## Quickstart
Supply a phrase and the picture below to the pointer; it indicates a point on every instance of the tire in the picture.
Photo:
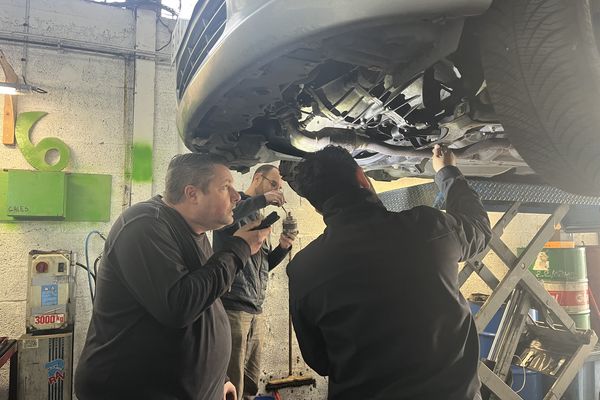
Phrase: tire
(542, 69)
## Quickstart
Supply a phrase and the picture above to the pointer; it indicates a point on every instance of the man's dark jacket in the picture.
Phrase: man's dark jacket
(249, 287)
(375, 300)
(158, 329)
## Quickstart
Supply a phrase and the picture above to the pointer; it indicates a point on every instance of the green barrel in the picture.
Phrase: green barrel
(563, 273)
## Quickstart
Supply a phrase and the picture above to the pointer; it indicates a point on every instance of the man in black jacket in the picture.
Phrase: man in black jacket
(244, 301)
(374, 299)
(158, 329)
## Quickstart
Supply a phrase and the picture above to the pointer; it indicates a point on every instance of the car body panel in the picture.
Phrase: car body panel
(241, 53)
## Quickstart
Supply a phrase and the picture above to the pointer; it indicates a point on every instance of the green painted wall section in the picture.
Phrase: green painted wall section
(141, 162)
(4, 197)
(36, 194)
(36, 154)
(84, 197)
(88, 197)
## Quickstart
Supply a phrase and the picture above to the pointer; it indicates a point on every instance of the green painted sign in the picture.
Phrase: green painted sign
(36, 194)
(36, 154)
(88, 196)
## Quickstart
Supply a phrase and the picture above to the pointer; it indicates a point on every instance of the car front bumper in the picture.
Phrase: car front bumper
(258, 32)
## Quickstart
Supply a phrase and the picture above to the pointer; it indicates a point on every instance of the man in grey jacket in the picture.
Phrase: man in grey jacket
(243, 302)
(158, 329)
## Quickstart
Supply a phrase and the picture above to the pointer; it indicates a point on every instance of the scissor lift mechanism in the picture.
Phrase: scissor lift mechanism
(553, 345)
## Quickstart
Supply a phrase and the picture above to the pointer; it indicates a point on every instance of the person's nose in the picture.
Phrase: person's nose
(235, 196)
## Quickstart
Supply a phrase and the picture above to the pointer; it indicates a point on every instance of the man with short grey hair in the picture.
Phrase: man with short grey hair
(158, 328)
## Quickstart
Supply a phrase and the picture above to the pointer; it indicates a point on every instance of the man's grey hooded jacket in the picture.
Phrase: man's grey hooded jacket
(250, 284)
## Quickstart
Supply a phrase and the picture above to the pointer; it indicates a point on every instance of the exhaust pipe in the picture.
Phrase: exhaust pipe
(484, 150)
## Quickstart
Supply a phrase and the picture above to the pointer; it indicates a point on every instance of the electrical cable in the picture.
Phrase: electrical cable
(166, 44)
(134, 5)
(170, 10)
(168, 29)
(87, 261)
(33, 88)
(84, 267)
(524, 375)
(96, 264)
(159, 18)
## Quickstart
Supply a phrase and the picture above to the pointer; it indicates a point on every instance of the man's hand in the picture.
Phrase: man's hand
(229, 392)
(275, 198)
(442, 157)
(287, 239)
(254, 239)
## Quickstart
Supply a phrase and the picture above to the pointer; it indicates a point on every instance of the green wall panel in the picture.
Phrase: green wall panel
(4, 197)
(36, 194)
(88, 197)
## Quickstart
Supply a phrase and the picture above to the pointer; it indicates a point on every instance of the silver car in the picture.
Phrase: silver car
(511, 85)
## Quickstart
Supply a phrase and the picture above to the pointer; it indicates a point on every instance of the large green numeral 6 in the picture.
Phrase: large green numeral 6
(36, 154)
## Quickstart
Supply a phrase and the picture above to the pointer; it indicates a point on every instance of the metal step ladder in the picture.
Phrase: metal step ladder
(553, 345)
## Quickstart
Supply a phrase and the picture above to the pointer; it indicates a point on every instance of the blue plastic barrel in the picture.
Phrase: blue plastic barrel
(486, 338)
(534, 384)
(533, 389)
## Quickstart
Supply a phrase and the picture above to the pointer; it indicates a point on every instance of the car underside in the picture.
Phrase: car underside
(386, 87)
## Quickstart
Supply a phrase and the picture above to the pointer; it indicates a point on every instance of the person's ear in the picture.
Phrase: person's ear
(191, 192)
(363, 180)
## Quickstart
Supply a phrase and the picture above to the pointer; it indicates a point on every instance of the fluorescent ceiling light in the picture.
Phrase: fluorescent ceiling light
(19, 88)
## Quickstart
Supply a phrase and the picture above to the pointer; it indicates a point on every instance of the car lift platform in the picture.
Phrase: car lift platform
(553, 345)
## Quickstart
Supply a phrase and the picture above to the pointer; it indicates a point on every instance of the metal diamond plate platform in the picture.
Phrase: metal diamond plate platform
(490, 192)
(406, 198)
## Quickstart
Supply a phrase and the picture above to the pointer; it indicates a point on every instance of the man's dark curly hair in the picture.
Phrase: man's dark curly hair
(325, 173)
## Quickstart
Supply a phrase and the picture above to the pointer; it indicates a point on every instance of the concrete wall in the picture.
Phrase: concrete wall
(90, 107)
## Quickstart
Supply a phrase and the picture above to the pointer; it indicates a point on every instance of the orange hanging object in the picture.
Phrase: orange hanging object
(8, 122)
(10, 103)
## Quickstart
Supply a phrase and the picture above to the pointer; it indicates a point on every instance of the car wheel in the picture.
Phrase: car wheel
(542, 68)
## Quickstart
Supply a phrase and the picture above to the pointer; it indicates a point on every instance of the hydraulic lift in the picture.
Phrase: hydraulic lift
(552, 345)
